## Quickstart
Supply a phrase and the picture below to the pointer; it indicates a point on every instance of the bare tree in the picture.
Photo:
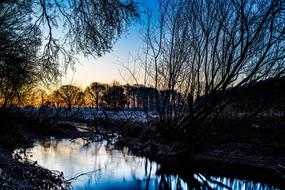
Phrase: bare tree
(236, 43)
(18, 61)
(69, 96)
(94, 93)
(165, 60)
(114, 97)
(204, 48)
(65, 28)
(39, 39)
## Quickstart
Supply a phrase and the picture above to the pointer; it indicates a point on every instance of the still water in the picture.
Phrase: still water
(98, 165)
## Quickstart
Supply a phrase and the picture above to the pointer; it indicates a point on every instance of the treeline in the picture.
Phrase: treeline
(113, 96)
(267, 95)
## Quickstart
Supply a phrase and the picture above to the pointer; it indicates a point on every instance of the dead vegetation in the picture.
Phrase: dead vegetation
(27, 175)
(18, 130)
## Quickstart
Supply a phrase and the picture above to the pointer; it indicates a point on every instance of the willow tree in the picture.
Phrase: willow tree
(205, 47)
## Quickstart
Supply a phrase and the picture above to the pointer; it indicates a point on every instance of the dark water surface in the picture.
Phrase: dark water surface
(98, 165)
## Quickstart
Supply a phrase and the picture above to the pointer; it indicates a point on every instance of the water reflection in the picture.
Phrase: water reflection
(98, 165)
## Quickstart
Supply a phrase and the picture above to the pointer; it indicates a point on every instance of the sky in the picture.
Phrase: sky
(105, 69)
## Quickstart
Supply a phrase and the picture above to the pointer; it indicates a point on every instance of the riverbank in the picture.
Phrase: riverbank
(15, 174)
(19, 130)
(248, 151)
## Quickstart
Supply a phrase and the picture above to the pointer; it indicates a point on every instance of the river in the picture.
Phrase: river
(99, 165)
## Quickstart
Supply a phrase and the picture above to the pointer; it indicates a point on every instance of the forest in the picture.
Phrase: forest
(201, 106)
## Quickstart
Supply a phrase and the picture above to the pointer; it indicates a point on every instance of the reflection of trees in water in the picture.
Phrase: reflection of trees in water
(154, 179)
(49, 144)
(203, 181)
(170, 182)
(147, 174)
(104, 165)
(199, 181)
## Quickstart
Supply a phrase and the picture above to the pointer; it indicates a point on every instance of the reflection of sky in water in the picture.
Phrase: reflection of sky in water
(106, 168)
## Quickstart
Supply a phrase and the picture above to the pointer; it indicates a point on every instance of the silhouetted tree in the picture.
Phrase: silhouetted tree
(34, 48)
(114, 97)
(71, 26)
(18, 61)
(94, 93)
(140, 96)
(205, 47)
(69, 96)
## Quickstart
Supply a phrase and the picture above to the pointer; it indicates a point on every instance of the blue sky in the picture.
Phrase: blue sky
(105, 69)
